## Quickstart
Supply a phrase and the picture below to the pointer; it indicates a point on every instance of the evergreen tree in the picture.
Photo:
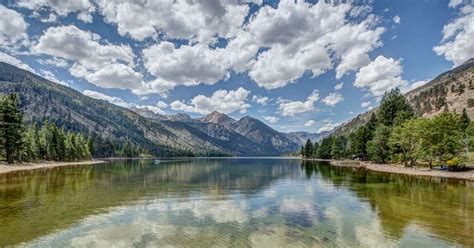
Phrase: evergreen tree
(324, 150)
(315, 150)
(11, 127)
(338, 148)
(465, 119)
(392, 103)
(308, 149)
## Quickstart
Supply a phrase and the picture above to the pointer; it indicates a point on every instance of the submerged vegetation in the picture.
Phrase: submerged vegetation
(396, 134)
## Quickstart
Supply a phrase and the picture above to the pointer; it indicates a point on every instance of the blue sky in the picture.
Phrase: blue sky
(295, 65)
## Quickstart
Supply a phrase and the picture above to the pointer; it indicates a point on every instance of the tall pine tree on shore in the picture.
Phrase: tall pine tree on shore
(11, 127)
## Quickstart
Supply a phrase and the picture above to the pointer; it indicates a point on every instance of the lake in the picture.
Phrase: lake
(257, 202)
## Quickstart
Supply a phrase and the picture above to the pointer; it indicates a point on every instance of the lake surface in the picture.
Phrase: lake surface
(232, 203)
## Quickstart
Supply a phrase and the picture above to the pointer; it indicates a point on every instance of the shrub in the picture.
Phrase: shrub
(456, 163)
(470, 102)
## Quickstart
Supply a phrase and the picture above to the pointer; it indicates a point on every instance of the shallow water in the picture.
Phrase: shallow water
(232, 203)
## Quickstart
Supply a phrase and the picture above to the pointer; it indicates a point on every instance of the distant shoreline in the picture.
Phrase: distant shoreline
(6, 168)
(396, 169)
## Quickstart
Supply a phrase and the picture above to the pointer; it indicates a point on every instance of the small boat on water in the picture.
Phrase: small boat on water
(157, 161)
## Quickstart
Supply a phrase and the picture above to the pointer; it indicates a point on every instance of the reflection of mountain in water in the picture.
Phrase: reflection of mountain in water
(442, 206)
(36, 203)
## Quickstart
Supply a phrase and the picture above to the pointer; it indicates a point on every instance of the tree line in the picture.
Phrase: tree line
(396, 134)
(47, 141)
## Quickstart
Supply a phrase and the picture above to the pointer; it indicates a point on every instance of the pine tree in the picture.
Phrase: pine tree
(11, 127)
(465, 119)
(315, 150)
(392, 103)
(308, 149)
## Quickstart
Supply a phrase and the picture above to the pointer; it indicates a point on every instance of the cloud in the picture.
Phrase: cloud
(414, 85)
(221, 100)
(105, 65)
(338, 86)
(112, 99)
(12, 27)
(380, 75)
(262, 100)
(289, 108)
(51, 77)
(187, 65)
(271, 119)
(328, 126)
(310, 123)
(110, 76)
(332, 99)
(457, 44)
(301, 36)
(157, 109)
(83, 47)
(396, 19)
(366, 105)
(14, 61)
(194, 20)
(84, 8)
(454, 3)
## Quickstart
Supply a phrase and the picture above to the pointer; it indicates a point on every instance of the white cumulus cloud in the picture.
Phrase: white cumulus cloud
(338, 86)
(262, 100)
(333, 99)
(396, 19)
(84, 8)
(12, 27)
(6, 58)
(112, 99)
(271, 119)
(291, 108)
(380, 75)
(457, 44)
(221, 100)
(195, 20)
(310, 123)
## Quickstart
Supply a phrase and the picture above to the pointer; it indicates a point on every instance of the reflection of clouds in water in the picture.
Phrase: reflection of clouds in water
(148, 221)
(275, 236)
(291, 205)
(220, 211)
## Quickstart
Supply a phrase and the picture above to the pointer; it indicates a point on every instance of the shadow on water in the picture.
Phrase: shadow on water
(443, 206)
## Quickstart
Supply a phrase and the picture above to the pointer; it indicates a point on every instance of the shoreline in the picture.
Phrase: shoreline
(396, 169)
(5, 168)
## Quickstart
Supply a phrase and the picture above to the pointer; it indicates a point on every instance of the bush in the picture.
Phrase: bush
(470, 102)
(456, 163)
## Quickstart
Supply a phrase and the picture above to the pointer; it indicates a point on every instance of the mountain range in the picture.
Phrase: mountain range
(215, 134)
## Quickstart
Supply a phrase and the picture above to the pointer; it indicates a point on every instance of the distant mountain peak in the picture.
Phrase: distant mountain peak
(218, 118)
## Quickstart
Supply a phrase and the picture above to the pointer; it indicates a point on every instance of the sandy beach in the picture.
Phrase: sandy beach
(399, 169)
(6, 168)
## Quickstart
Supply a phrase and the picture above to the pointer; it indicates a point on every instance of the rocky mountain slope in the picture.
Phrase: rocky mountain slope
(177, 135)
(245, 134)
(453, 90)
(301, 137)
